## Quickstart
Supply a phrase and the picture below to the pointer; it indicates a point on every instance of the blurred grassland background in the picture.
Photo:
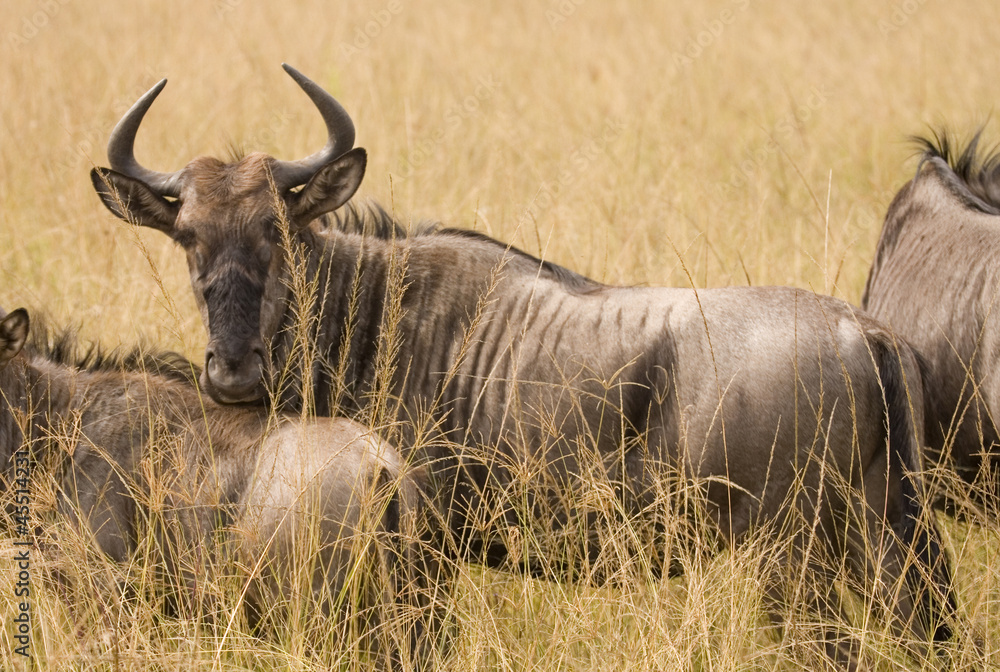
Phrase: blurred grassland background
(651, 143)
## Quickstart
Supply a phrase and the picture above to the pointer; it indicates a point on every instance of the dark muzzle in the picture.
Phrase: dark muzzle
(231, 379)
(235, 359)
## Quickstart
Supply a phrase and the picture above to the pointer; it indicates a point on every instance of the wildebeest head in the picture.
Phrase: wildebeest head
(13, 334)
(226, 217)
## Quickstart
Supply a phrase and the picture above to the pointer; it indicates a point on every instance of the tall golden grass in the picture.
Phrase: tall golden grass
(748, 141)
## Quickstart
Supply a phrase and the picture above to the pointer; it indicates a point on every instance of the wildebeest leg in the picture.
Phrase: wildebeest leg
(908, 582)
(894, 554)
(806, 583)
(419, 575)
(893, 546)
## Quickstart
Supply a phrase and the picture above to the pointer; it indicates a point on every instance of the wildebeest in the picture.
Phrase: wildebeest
(521, 384)
(934, 279)
(301, 504)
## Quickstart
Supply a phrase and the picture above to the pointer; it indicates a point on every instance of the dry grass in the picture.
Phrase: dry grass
(754, 141)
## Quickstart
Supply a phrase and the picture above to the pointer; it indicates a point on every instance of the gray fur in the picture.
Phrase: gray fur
(756, 394)
(935, 281)
(236, 484)
(518, 382)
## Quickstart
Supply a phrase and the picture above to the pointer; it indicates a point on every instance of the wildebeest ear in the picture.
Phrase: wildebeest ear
(13, 334)
(134, 200)
(331, 187)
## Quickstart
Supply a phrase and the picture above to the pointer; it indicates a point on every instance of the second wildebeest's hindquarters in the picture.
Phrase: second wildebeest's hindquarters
(363, 513)
(936, 281)
(541, 401)
(305, 516)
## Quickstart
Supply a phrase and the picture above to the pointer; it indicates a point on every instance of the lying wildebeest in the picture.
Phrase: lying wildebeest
(517, 380)
(933, 279)
(304, 504)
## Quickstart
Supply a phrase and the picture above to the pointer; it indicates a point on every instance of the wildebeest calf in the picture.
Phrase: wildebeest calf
(302, 504)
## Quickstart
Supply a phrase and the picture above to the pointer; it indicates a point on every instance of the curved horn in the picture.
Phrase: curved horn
(120, 147)
(339, 127)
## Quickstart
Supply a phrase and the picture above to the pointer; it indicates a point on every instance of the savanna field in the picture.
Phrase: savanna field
(717, 143)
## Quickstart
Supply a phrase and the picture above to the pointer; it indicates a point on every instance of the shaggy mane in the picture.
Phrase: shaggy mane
(63, 346)
(974, 178)
(564, 275)
(371, 219)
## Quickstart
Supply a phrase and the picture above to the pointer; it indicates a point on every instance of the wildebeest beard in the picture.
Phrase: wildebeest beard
(234, 358)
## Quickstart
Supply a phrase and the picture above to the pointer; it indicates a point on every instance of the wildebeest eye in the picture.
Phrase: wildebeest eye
(184, 238)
